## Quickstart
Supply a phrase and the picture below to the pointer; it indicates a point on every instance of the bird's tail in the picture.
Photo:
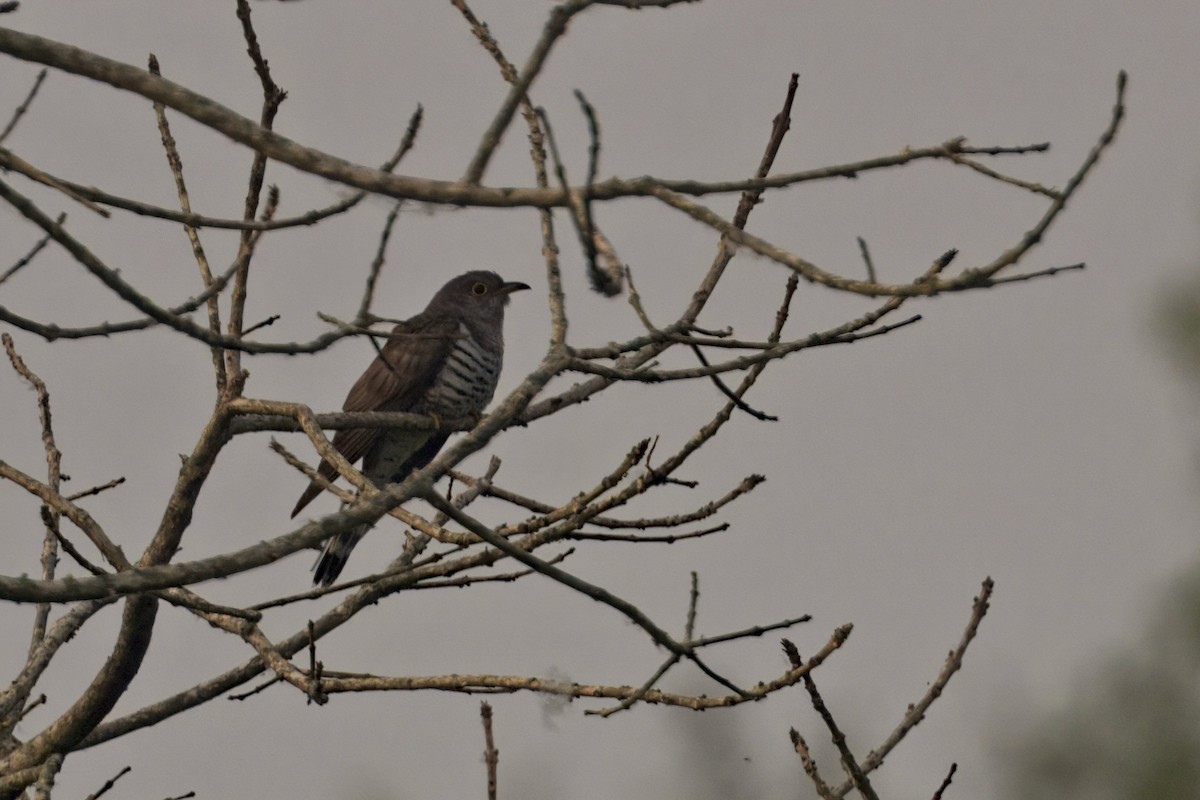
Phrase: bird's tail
(336, 553)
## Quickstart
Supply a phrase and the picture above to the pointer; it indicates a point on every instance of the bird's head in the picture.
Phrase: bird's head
(480, 293)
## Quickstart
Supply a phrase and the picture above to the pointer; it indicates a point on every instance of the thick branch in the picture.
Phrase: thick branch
(28, 47)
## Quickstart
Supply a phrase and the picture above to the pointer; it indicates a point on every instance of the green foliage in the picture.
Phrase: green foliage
(1132, 730)
(1178, 324)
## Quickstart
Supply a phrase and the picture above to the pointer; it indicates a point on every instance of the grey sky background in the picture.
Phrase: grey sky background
(1033, 433)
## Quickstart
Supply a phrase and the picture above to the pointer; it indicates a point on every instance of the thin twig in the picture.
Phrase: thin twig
(158, 315)
(308, 218)
(33, 251)
(273, 97)
(946, 781)
(705, 511)
(206, 277)
(725, 390)
(607, 280)
(20, 110)
(916, 712)
(652, 681)
(1036, 188)
(364, 308)
(54, 477)
(491, 756)
(10, 160)
(72, 551)
(810, 766)
(37, 701)
(583, 587)
(265, 323)
(115, 482)
(866, 257)
(274, 679)
(496, 684)
(857, 775)
(110, 783)
(689, 628)
(637, 538)
(1041, 273)
(555, 27)
(505, 577)
(315, 669)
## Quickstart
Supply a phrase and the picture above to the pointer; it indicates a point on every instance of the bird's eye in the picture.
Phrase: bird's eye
(479, 288)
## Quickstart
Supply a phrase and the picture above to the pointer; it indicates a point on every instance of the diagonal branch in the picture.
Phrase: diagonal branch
(597, 593)
(916, 712)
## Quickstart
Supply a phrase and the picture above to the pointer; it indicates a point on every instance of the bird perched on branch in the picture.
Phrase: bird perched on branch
(444, 362)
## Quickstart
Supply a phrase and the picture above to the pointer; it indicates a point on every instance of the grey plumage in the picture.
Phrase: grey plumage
(445, 362)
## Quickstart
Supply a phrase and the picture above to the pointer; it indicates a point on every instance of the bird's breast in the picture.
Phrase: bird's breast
(467, 380)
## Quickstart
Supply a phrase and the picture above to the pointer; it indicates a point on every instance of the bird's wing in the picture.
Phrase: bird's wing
(397, 378)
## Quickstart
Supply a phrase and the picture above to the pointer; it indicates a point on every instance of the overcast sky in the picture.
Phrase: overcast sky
(1034, 433)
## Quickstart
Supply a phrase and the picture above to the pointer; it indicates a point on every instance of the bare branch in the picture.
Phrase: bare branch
(127, 292)
(20, 110)
(207, 112)
(555, 27)
(810, 766)
(308, 218)
(506, 684)
(866, 256)
(946, 782)
(364, 308)
(916, 712)
(46, 775)
(491, 756)
(273, 97)
(115, 482)
(431, 555)
(24, 260)
(206, 277)
(10, 160)
(857, 775)
(110, 783)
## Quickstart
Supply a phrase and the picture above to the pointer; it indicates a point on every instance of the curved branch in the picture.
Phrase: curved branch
(209, 113)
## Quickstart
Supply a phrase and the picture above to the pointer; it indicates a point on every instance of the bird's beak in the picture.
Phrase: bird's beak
(513, 286)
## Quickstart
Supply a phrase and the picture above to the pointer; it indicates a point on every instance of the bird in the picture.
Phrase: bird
(444, 362)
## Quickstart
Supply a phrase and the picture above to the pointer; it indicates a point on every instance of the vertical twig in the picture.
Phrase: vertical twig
(364, 308)
(810, 766)
(491, 756)
(689, 628)
(596, 247)
(849, 763)
(273, 96)
(866, 257)
(537, 153)
(315, 669)
(554, 28)
(46, 776)
(50, 515)
(946, 781)
(185, 205)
